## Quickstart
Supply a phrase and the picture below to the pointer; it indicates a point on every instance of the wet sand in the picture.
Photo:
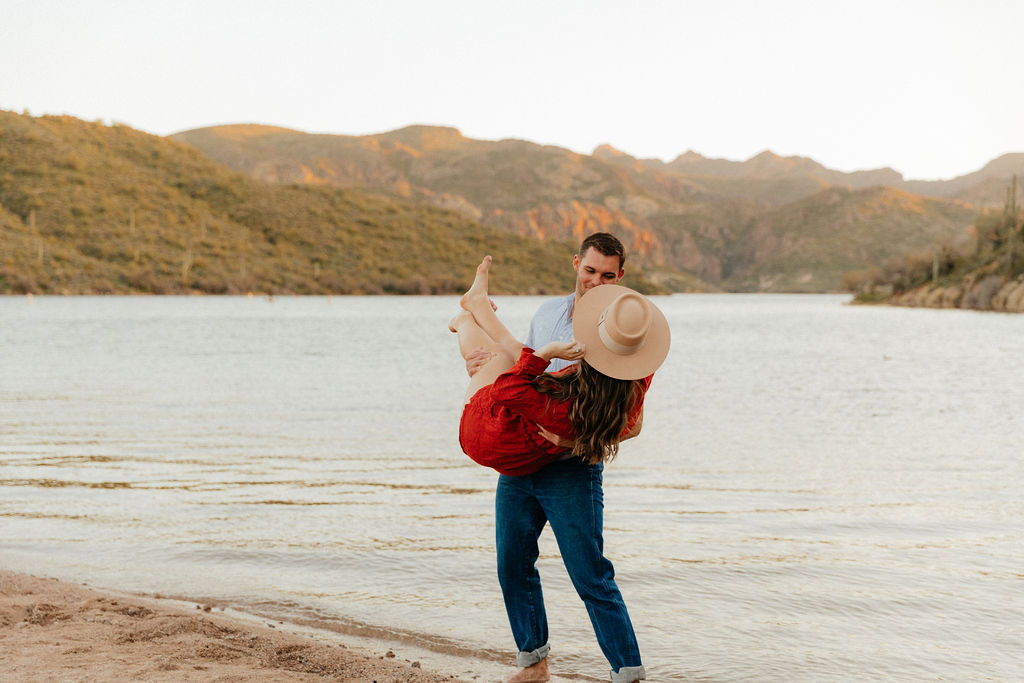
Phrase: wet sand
(54, 630)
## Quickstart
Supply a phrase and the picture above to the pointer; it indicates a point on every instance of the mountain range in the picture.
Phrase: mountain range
(87, 208)
(770, 223)
(91, 208)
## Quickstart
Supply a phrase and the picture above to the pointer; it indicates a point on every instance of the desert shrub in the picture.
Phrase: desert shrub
(211, 284)
(146, 280)
(18, 283)
(864, 281)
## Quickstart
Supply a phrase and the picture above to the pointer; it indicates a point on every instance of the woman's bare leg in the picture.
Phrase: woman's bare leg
(471, 338)
(477, 302)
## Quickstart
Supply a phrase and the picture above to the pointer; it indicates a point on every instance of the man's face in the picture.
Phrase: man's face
(595, 269)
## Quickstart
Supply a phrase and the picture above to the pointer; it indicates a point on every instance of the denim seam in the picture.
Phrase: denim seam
(525, 570)
(534, 626)
(593, 535)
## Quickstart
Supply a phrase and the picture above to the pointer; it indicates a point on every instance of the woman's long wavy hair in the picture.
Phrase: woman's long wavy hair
(600, 408)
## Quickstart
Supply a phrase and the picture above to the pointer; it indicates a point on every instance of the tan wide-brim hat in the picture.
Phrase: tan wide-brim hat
(625, 334)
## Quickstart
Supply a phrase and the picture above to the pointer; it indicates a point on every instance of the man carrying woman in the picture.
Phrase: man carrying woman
(522, 416)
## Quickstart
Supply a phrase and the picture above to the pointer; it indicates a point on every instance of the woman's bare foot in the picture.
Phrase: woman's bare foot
(477, 294)
(532, 674)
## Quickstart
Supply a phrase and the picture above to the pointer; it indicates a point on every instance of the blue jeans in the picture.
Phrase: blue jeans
(568, 495)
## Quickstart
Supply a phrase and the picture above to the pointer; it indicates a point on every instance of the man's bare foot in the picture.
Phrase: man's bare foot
(477, 293)
(532, 674)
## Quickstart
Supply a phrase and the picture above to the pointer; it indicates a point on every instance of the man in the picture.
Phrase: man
(567, 495)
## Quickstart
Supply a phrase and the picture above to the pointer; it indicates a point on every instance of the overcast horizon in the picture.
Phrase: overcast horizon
(925, 88)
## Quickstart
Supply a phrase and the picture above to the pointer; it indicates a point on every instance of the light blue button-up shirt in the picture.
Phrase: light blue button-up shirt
(552, 322)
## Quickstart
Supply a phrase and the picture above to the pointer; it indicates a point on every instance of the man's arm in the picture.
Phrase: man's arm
(637, 426)
(568, 443)
(559, 441)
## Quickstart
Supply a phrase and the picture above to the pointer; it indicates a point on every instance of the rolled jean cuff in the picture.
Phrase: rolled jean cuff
(525, 659)
(628, 674)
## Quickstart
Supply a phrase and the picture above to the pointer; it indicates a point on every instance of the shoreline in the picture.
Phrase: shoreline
(56, 629)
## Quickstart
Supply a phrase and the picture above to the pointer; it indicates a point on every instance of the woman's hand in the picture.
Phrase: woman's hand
(571, 350)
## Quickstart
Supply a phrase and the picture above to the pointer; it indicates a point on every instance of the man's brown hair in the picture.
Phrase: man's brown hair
(606, 243)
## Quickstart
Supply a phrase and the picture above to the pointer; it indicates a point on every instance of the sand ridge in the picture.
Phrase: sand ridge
(53, 630)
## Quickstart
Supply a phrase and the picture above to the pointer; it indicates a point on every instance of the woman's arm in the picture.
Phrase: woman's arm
(570, 350)
(514, 389)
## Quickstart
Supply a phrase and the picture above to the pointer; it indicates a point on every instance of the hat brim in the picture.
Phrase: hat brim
(644, 362)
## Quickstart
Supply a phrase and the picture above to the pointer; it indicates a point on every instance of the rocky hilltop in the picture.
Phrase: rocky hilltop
(770, 223)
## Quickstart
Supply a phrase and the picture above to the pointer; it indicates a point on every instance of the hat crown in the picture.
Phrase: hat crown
(625, 334)
(624, 323)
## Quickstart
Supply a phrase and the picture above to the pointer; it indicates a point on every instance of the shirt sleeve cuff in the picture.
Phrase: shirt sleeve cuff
(529, 362)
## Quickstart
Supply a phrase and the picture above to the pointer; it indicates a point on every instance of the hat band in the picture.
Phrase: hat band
(612, 345)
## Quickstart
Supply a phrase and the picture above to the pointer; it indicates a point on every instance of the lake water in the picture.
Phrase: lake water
(821, 492)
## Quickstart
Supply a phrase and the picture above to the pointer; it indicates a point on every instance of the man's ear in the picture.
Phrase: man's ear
(576, 262)
(622, 272)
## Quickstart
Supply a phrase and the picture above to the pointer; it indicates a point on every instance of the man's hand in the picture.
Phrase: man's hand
(567, 444)
(476, 359)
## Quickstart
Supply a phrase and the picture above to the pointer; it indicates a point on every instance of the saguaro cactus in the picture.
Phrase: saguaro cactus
(132, 236)
(1013, 196)
(1013, 228)
(36, 240)
(186, 265)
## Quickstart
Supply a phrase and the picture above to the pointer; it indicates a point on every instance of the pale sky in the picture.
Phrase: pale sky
(930, 88)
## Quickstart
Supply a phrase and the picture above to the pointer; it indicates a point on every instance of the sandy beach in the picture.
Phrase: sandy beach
(53, 630)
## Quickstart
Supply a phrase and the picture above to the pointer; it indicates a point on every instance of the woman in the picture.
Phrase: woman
(620, 339)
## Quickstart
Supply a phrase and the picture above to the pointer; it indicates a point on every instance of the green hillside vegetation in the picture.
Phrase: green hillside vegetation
(981, 268)
(866, 226)
(89, 208)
